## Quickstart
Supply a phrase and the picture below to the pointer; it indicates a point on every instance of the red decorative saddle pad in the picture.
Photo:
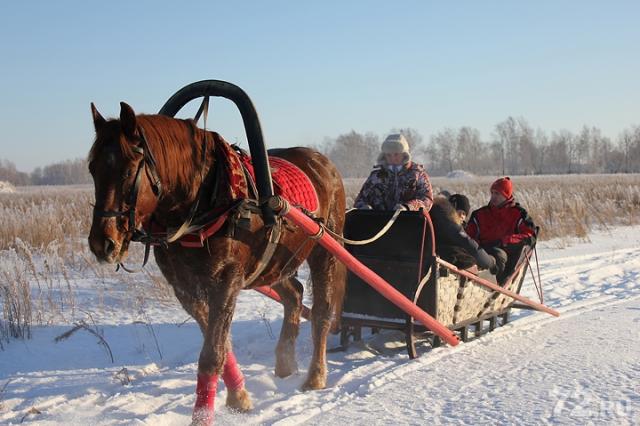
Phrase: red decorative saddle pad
(290, 183)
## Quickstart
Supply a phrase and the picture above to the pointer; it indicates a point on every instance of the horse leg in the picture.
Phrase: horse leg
(290, 292)
(237, 396)
(327, 276)
(222, 299)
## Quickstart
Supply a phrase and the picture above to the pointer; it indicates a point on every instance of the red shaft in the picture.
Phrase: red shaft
(271, 293)
(370, 277)
(537, 306)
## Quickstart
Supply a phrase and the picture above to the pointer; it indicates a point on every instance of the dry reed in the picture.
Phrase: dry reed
(43, 246)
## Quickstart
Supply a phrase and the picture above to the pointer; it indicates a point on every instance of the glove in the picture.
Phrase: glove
(400, 207)
(498, 268)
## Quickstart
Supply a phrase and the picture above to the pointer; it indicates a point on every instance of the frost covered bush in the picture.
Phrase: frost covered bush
(6, 187)
(15, 298)
(40, 216)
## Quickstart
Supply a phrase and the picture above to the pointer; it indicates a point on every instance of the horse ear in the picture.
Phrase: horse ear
(127, 119)
(98, 120)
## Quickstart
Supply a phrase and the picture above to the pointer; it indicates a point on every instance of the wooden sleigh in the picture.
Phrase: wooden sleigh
(405, 257)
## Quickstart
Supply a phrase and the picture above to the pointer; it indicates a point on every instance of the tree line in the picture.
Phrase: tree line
(514, 148)
(61, 173)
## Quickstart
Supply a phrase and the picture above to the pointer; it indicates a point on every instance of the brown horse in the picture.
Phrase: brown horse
(155, 168)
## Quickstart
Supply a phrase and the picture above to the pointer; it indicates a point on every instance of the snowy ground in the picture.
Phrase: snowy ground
(581, 368)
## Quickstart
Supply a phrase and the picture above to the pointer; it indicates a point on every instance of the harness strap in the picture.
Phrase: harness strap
(275, 232)
(147, 249)
(152, 170)
(133, 196)
(194, 207)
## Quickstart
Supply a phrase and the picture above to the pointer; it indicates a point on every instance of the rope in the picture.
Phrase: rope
(369, 240)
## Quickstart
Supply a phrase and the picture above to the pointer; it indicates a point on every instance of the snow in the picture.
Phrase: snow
(580, 368)
(6, 187)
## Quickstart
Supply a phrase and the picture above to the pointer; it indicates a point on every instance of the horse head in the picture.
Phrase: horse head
(127, 187)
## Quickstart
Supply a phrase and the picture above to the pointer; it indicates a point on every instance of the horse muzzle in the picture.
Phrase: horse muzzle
(107, 249)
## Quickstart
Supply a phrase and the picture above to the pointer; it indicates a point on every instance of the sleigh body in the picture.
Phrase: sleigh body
(405, 257)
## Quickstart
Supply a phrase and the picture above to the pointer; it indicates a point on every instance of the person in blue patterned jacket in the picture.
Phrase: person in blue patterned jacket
(396, 182)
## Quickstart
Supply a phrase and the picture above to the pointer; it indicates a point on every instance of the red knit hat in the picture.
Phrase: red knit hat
(503, 186)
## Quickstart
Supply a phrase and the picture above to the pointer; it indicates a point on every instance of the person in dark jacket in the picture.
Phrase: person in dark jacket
(396, 182)
(502, 227)
(461, 204)
(452, 242)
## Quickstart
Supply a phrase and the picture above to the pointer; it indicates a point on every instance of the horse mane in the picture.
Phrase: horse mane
(176, 145)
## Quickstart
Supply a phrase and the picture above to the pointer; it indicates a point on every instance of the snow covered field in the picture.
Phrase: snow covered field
(581, 368)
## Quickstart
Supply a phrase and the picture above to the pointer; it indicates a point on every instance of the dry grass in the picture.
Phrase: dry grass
(39, 216)
(563, 206)
(43, 249)
(15, 294)
(43, 246)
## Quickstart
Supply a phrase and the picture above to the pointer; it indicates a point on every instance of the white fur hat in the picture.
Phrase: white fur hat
(395, 143)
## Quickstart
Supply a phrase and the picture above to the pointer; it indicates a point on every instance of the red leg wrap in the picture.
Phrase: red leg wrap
(205, 398)
(232, 376)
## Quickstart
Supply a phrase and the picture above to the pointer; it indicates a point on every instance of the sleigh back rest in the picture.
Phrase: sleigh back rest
(396, 257)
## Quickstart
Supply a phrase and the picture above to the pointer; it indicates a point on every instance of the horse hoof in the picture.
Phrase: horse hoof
(286, 370)
(314, 384)
(202, 417)
(239, 400)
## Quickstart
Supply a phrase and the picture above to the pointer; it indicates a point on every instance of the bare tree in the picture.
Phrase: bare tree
(354, 154)
(9, 173)
(515, 148)
(445, 142)
(541, 143)
(63, 173)
(559, 158)
(468, 149)
(507, 136)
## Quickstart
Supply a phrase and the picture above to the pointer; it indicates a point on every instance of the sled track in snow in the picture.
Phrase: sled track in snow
(366, 379)
(379, 371)
(162, 392)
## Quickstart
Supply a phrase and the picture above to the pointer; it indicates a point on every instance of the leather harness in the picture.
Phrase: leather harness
(194, 231)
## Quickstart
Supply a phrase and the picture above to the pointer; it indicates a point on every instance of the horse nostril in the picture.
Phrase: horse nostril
(109, 246)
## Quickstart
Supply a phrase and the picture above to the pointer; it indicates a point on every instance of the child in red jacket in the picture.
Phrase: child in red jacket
(502, 227)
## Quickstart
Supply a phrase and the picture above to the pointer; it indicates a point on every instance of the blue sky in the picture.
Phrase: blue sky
(316, 69)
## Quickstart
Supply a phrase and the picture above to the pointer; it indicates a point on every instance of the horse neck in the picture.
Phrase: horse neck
(178, 152)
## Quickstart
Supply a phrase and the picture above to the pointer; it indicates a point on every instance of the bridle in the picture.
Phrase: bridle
(147, 164)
